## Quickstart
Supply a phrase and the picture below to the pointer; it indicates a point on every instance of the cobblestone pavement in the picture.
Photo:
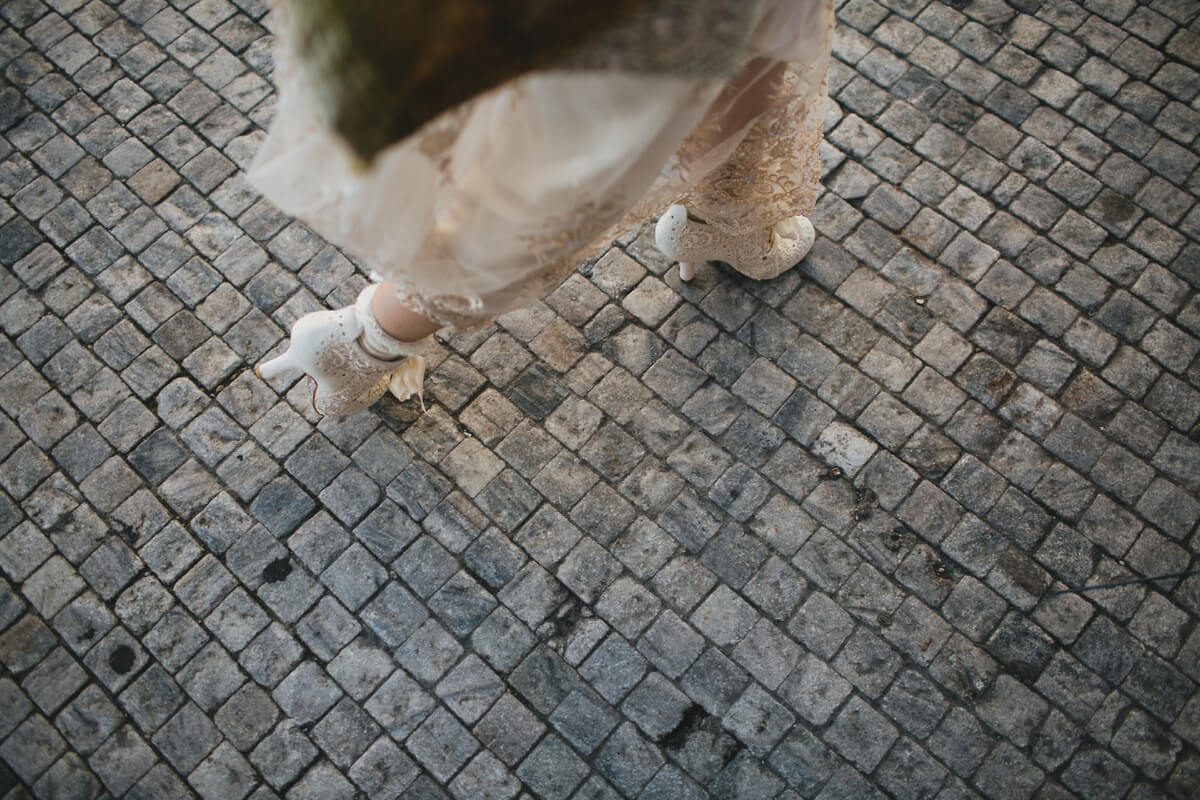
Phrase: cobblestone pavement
(805, 538)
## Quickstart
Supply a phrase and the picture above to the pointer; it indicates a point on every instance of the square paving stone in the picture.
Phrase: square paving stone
(122, 760)
(627, 760)
(88, 720)
(509, 729)
(345, 733)
(152, 698)
(767, 653)
(384, 769)
(306, 693)
(746, 777)
(758, 720)
(804, 761)
(247, 716)
(714, 681)
(502, 640)
(187, 738)
(283, 754)
(613, 668)
(584, 719)
(470, 688)
(552, 769)
(656, 706)
(428, 652)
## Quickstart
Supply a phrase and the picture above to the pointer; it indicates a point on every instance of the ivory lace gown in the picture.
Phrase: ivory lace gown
(493, 202)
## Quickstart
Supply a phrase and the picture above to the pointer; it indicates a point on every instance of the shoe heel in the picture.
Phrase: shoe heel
(668, 233)
(286, 362)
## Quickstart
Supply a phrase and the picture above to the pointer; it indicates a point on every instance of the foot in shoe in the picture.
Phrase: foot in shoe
(761, 255)
(327, 346)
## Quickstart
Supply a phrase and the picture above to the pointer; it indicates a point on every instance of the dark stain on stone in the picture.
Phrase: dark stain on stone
(865, 503)
(941, 570)
(277, 570)
(1000, 383)
(121, 659)
(693, 719)
(558, 629)
(1022, 572)
(956, 112)
(1115, 210)
(894, 539)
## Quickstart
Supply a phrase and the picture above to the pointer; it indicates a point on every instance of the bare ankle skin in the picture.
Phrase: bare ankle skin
(396, 319)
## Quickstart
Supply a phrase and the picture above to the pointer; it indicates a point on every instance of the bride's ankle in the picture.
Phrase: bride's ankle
(395, 318)
(382, 341)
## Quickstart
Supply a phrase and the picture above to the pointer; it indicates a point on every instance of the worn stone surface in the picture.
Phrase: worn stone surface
(817, 537)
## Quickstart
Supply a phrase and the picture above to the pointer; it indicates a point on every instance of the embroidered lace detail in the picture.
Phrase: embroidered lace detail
(774, 174)
(452, 311)
(761, 254)
(361, 379)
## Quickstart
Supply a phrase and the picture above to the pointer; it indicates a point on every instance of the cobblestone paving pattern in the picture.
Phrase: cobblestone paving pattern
(803, 538)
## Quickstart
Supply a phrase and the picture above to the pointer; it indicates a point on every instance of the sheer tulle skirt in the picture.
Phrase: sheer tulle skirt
(493, 203)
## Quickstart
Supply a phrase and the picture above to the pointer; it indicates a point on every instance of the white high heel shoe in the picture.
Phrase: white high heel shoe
(345, 377)
(760, 255)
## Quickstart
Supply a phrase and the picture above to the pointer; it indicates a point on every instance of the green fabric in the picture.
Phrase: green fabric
(382, 69)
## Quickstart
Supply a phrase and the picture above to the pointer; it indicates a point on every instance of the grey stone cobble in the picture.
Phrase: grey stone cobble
(821, 536)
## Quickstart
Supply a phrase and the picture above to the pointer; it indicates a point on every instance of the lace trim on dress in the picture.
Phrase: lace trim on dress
(775, 171)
